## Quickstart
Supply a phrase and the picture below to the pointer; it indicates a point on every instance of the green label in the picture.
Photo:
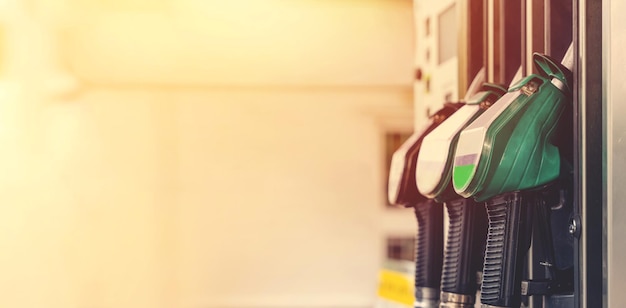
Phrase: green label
(461, 176)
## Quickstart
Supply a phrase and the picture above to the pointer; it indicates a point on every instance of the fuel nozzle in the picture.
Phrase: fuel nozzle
(428, 213)
(436, 156)
(507, 157)
(467, 229)
(509, 147)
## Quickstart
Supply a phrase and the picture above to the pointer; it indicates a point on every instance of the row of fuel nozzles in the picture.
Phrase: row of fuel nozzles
(490, 161)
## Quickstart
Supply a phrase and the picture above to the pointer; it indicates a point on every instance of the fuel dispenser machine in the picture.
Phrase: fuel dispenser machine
(509, 158)
(496, 151)
(428, 210)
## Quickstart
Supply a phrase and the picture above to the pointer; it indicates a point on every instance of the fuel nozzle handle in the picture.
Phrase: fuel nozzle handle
(508, 240)
(428, 253)
(463, 256)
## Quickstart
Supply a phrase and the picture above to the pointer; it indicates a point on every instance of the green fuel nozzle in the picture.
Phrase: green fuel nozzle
(508, 157)
(509, 147)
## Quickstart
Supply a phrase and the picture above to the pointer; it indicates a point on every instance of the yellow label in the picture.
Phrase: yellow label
(396, 287)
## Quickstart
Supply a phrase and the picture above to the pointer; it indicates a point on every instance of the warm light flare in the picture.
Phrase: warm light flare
(196, 153)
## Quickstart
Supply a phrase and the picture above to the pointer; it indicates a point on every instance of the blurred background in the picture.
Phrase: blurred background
(200, 153)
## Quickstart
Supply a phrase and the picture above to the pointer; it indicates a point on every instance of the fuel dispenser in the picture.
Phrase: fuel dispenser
(466, 234)
(508, 157)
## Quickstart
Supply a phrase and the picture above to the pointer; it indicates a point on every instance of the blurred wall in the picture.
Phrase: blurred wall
(239, 42)
(282, 200)
(120, 191)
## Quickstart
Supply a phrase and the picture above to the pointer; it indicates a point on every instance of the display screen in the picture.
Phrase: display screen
(447, 35)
